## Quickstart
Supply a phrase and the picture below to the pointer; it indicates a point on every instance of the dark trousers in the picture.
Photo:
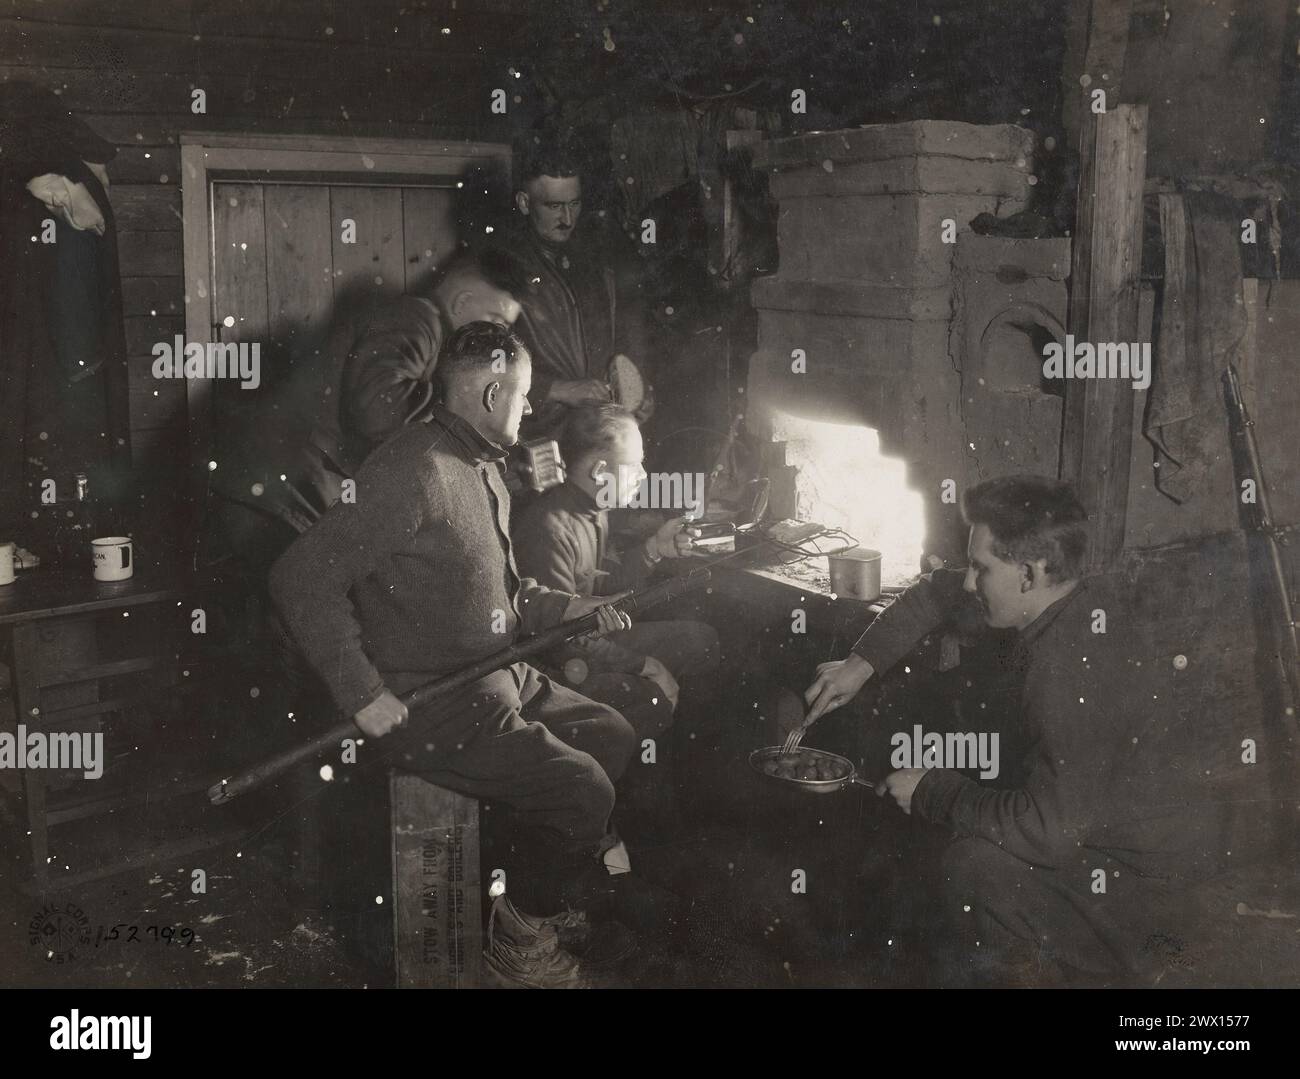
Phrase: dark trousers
(648, 807)
(686, 648)
(550, 755)
(1034, 923)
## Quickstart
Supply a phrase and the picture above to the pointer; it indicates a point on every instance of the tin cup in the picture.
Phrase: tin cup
(112, 558)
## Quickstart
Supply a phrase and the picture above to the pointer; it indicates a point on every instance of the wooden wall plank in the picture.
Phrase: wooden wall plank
(253, 44)
(131, 132)
(164, 295)
(374, 262)
(299, 267)
(146, 207)
(176, 15)
(144, 165)
(393, 23)
(429, 230)
(152, 131)
(324, 24)
(239, 285)
(144, 331)
(149, 254)
(435, 91)
(154, 402)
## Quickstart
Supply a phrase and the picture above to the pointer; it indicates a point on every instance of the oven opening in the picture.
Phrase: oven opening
(834, 474)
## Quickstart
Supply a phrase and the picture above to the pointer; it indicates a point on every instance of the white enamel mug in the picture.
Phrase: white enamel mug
(112, 558)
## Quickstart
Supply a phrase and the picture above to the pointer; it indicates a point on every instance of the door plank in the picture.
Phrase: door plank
(299, 261)
(429, 227)
(374, 262)
(239, 280)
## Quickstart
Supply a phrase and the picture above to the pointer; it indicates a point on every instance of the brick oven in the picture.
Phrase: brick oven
(894, 345)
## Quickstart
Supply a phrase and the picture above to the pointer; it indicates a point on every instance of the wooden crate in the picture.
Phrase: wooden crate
(437, 896)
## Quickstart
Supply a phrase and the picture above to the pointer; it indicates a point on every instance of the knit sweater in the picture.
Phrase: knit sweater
(563, 541)
(1111, 763)
(415, 579)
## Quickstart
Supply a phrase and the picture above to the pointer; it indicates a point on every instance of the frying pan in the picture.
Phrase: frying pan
(761, 757)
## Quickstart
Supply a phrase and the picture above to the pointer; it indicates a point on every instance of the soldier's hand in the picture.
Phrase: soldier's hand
(609, 619)
(381, 716)
(836, 684)
(901, 785)
(671, 540)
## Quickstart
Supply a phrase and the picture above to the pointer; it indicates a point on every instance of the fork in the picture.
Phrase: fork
(793, 739)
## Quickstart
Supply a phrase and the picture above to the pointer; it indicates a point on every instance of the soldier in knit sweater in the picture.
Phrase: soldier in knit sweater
(416, 579)
(285, 457)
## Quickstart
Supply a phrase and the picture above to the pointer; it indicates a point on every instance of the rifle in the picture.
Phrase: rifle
(229, 789)
(1243, 427)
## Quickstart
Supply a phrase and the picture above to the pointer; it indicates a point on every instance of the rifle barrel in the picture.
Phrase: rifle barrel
(229, 789)
(1244, 427)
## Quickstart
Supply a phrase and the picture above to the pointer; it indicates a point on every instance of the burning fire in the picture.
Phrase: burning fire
(843, 481)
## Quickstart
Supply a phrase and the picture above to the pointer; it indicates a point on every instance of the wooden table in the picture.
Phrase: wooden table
(73, 612)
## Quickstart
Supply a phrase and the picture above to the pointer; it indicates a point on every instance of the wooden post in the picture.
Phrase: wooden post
(1104, 289)
(1096, 52)
(437, 899)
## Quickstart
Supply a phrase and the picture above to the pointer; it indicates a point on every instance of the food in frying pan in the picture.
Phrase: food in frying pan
(805, 766)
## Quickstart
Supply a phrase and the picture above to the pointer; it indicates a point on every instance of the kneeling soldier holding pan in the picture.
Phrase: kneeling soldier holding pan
(1085, 860)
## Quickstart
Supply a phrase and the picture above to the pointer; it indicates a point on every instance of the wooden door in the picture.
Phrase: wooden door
(285, 256)
(284, 253)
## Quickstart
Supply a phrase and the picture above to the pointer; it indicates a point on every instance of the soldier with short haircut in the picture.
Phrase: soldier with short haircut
(417, 579)
(1109, 784)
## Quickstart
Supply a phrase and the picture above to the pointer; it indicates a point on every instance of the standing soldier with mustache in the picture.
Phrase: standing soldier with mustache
(580, 310)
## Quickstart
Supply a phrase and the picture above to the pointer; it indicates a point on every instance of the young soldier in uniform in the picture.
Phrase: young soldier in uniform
(1110, 786)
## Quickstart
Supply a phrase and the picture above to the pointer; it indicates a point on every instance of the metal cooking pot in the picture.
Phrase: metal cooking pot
(855, 573)
(850, 775)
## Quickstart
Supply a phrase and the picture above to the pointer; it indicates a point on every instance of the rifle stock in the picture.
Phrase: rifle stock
(229, 789)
